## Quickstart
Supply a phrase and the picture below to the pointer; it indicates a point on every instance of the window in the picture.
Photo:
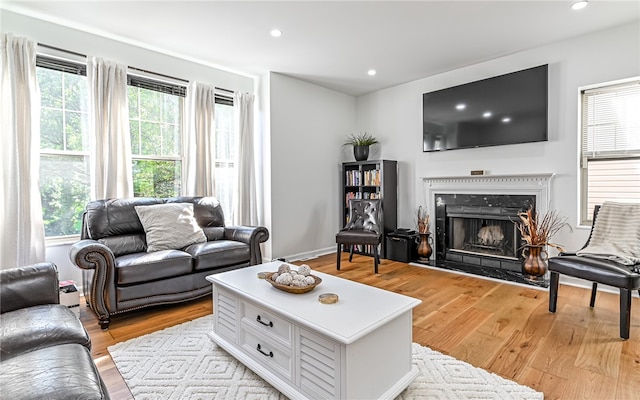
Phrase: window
(155, 120)
(610, 137)
(155, 123)
(64, 147)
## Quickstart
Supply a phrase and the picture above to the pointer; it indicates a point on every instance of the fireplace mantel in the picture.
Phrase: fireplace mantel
(537, 179)
(462, 207)
(528, 184)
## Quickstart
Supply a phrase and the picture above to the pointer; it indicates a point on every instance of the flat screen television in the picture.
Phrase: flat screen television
(506, 109)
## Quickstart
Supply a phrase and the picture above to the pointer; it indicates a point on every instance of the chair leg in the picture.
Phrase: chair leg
(376, 260)
(625, 313)
(351, 252)
(594, 290)
(338, 260)
(553, 291)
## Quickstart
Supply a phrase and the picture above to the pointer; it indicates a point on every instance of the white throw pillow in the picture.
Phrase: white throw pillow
(170, 226)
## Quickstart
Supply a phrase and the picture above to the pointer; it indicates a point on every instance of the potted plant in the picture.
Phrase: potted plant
(360, 142)
(536, 231)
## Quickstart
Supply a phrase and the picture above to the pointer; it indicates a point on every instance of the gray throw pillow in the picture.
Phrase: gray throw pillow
(170, 226)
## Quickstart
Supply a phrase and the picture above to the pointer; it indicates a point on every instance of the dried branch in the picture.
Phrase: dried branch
(538, 230)
(423, 220)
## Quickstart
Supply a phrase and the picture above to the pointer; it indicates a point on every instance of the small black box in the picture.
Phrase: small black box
(402, 246)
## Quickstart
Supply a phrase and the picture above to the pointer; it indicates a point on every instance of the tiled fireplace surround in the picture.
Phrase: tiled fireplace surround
(472, 219)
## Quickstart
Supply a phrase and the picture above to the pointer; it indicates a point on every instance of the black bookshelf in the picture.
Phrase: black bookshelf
(372, 179)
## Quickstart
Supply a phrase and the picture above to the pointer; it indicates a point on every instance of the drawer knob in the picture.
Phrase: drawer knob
(270, 324)
(270, 354)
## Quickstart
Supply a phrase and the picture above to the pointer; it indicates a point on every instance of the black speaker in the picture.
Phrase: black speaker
(402, 245)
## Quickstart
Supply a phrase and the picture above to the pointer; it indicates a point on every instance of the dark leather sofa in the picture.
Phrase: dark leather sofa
(44, 349)
(120, 275)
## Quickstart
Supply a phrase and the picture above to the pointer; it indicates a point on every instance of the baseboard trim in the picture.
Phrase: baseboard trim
(307, 255)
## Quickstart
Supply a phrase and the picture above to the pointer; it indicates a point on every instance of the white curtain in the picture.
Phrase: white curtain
(199, 150)
(22, 230)
(111, 170)
(246, 199)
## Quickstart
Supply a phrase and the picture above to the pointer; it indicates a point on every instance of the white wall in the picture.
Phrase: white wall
(308, 124)
(395, 116)
(138, 57)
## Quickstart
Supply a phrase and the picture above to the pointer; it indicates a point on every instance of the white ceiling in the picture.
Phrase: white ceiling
(334, 44)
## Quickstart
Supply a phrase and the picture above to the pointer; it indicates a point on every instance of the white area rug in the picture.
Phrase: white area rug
(181, 362)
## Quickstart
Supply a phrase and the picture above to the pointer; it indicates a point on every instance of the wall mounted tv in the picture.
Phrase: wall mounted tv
(506, 109)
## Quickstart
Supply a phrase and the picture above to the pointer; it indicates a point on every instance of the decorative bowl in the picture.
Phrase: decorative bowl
(293, 289)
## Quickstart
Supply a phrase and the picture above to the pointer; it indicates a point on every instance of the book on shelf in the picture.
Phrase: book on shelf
(353, 195)
(372, 177)
(349, 196)
(370, 195)
(352, 178)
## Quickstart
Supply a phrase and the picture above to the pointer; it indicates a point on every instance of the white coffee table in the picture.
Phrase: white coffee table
(358, 348)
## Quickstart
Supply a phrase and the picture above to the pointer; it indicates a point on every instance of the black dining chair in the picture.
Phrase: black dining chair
(363, 228)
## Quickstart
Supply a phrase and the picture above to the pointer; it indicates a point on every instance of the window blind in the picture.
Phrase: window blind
(224, 99)
(221, 96)
(65, 61)
(610, 145)
(61, 65)
(155, 85)
(611, 121)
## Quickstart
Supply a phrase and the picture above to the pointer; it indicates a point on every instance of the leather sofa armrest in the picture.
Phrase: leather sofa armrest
(251, 235)
(29, 286)
(92, 255)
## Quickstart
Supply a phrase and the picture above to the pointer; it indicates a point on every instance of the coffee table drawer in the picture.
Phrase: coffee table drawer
(266, 322)
(267, 353)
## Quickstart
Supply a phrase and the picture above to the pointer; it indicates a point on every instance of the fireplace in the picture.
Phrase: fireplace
(474, 222)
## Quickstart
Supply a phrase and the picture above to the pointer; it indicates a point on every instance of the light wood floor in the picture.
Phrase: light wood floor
(506, 329)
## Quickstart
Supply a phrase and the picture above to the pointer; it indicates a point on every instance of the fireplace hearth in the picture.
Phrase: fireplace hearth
(475, 231)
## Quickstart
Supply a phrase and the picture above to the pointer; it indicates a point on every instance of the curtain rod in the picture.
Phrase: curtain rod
(225, 90)
(46, 46)
(157, 74)
(129, 66)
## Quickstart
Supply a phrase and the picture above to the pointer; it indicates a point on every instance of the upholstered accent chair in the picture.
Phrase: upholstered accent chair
(363, 229)
(597, 270)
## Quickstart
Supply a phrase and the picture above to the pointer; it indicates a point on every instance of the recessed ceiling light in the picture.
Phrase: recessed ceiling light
(579, 5)
(276, 32)
(371, 72)
(461, 106)
(506, 120)
(487, 114)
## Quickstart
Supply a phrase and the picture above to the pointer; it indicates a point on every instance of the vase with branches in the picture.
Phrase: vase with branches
(424, 248)
(536, 231)
(423, 220)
